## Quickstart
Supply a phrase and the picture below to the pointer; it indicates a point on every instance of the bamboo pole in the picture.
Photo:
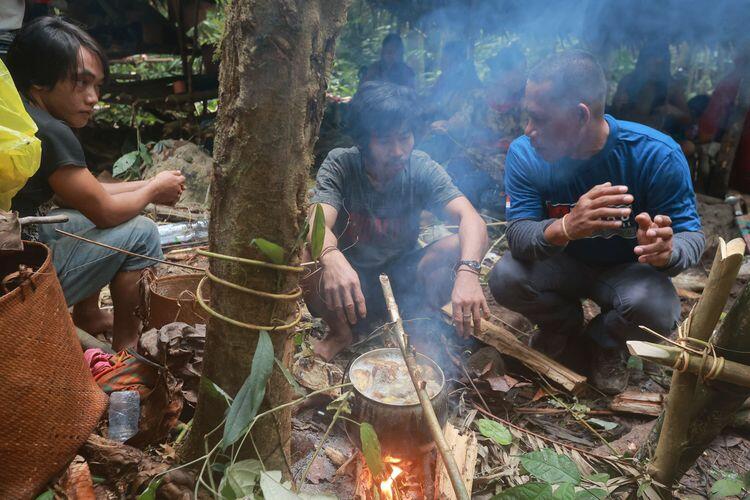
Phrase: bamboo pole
(715, 402)
(419, 385)
(730, 372)
(702, 320)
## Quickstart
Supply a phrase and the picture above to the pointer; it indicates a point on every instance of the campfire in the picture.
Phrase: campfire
(404, 479)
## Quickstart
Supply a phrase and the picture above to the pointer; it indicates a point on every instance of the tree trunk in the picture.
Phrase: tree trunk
(274, 59)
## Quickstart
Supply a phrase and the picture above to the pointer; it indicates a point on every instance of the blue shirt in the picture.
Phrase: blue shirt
(648, 162)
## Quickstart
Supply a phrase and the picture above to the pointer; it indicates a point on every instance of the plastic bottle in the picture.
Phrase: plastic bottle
(183, 232)
(124, 412)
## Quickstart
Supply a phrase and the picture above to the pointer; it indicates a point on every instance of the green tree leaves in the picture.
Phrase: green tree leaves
(250, 396)
(318, 232)
(550, 467)
(371, 449)
(495, 431)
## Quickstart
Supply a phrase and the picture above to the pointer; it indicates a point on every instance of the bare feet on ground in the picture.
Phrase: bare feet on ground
(93, 321)
(332, 344)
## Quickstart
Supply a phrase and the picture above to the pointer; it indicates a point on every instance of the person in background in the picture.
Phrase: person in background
(11, 19)
(714, 120)
(649, 95)
(457, 81)
(59, 69)
(484, 128)
(458, 78)
(391, 66)
(372, 196)
(597, 208)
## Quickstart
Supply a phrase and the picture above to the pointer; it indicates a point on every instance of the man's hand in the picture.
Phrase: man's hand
(468, 303)
(595, 211)
(654, 239)
(167, 187)
(342, 291)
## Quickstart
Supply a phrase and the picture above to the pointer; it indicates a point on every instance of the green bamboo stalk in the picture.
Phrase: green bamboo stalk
(676, 416)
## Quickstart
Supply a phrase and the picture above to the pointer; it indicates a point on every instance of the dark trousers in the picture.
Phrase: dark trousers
(549, 292)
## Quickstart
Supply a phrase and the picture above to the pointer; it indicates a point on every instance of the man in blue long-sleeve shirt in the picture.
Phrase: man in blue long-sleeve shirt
(597, 208)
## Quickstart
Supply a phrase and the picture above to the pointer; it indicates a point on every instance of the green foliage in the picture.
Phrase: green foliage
(289, 378)
(551, 467)
(371, 449)
(727, 487)
(46, 495)
(215, 390)
(127, 166)
(495, 431)
(565, 491)
(130, 165)
(240, 479)
(150, 492)
(271, 250)
(600, 478)
(250, 396)
(557, 478)
(318, 232)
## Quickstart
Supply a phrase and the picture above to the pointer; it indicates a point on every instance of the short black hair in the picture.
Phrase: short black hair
(393, 38)
(45, 52)
(381, 108)
(576, 77)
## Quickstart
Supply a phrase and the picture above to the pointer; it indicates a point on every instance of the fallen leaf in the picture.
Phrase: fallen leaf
(336, 456)
(540, 393)
(502, 383)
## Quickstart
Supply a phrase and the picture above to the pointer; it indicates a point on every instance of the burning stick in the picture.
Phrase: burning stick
(419, 385)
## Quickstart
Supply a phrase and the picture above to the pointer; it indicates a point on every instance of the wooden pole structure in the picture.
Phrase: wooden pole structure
(714, 403)
(726, 370)
(702, 321)
(424, 399)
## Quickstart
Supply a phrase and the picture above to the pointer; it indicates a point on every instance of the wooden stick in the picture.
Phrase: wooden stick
(703, 319)
(504, 341)
(419, 385)
(639, 403)
(731, 372)
(464, 450)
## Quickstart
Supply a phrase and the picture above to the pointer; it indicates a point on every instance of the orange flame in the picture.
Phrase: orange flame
(386, 487)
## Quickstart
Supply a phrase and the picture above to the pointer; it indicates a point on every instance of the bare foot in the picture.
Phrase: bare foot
(93, 321)
(333, 343)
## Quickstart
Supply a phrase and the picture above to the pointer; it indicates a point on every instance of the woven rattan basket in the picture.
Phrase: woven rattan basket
(49, 402)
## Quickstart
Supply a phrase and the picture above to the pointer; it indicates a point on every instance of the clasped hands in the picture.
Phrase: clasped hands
(605, 207)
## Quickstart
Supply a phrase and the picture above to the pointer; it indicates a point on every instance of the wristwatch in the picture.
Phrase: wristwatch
(471, 264)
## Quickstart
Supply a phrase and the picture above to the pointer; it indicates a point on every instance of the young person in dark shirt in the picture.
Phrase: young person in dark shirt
(372, 197)
(59, 69)
(597, 208)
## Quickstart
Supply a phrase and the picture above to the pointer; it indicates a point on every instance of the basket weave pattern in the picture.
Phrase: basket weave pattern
(49, 402)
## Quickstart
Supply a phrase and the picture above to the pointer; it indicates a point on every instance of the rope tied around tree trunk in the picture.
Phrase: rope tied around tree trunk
(292, 295)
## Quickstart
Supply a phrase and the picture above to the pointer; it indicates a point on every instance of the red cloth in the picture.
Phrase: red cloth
(714, 121)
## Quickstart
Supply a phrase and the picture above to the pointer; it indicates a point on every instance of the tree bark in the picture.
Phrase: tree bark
(274, 59)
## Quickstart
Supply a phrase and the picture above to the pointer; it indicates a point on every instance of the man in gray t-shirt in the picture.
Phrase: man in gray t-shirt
(372, 196)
